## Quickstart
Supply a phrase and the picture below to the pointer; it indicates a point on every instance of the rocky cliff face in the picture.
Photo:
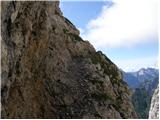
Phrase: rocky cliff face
(48, 71)
(154, 108)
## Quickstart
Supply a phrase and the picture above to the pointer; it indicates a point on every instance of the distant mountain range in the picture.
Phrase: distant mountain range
(143, 76)
(142, 83)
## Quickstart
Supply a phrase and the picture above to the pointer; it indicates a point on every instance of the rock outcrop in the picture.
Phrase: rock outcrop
(154, 108)
(48, 71)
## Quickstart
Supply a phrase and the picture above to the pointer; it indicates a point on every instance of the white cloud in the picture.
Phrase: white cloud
(136, 64)
(126, 23)
(81, 31)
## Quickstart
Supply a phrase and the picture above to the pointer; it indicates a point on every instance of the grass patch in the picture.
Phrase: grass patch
(107, 65)
(75, 37)
(98, 58)
(65, 30)
(115, 81)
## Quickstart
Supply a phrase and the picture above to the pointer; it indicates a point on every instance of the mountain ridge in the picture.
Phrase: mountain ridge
(136, 78)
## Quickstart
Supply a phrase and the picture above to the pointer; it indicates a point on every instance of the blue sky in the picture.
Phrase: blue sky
(80, 12)
(127, 35)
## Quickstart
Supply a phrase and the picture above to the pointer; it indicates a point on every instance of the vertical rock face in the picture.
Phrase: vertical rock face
(48, 71)
(154, 108)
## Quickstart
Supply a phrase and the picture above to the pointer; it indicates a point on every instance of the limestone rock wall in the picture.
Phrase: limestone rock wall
(48, 71)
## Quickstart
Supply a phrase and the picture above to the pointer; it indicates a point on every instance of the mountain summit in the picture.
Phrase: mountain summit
(48, 71)
(137, 78)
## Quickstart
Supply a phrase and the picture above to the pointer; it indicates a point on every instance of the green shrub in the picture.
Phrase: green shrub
(98, 58)
(115, 81)
(75, 37)
(107, 65)
(65, 30)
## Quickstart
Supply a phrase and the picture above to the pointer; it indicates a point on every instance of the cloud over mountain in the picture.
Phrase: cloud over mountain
(125, 23)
